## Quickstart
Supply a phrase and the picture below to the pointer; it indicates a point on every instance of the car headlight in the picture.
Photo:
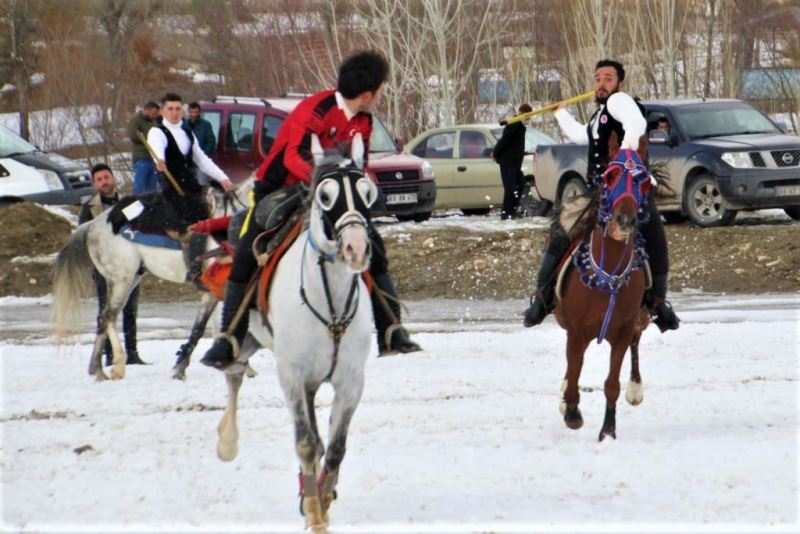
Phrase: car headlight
(427, 170)
(52, 179)
(738, 160)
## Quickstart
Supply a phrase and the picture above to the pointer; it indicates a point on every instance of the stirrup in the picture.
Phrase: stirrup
(233, 342)
(664, 323)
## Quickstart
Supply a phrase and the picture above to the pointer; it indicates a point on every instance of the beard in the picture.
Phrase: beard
(603, 99)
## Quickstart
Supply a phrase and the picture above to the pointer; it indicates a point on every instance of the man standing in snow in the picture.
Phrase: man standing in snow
(508, 153)
(618, 124)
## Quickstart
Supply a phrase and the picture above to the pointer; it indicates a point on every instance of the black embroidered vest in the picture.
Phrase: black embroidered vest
(600, 153)
(180, 166)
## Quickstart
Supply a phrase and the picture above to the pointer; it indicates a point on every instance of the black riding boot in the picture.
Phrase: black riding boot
(194, 263)
(129, 328)
(385, 324)
(221, 354)
(543, 301)
(663, 315)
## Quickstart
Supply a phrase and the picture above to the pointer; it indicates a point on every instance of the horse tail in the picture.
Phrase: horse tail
(72, 275)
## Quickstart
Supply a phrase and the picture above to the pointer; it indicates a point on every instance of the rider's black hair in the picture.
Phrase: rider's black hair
(100, 167)
(171, 97)
(611, 63)
(363, 71)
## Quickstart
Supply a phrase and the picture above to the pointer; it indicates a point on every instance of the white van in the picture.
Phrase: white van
(27, 173)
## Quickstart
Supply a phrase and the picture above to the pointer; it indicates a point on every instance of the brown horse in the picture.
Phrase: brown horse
(601, 297)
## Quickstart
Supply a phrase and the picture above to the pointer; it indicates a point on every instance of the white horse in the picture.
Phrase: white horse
(119, 261)
(319, 325)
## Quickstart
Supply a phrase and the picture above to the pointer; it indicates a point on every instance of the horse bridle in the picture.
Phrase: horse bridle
(338, 323)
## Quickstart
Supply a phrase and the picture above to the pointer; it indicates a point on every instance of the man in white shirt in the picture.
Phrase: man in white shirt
(175, 148)
(618, 124)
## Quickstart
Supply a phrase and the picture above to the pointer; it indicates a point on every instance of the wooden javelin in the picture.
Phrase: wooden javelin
(166, 171)
(551, 107)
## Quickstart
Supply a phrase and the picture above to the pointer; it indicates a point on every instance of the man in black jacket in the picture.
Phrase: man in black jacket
(508, 153)
(106, 196)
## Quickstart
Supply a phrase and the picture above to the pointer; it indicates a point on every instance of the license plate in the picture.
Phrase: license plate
(787, 190)
(401, 198)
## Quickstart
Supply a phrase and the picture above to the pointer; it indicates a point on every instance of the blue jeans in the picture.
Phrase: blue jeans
(144, 176)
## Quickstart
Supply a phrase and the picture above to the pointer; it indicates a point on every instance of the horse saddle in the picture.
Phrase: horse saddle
(146, 219)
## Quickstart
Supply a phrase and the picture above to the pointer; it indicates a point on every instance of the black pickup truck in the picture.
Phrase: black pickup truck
(721, 156)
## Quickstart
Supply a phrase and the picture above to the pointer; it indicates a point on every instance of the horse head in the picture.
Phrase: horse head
(342, 196)
(221, 203)
(623, 198)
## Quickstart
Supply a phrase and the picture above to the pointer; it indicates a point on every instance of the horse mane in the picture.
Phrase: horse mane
(577, 218)
(156, 218)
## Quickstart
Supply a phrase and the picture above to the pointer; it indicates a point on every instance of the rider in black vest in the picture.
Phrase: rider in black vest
(175, 148)
(608, 130)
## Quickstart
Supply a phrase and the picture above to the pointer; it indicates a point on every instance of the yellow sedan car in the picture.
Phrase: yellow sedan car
(467, 178)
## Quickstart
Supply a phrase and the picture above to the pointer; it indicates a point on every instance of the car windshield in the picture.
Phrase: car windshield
(380, 140)
(724, 118)
(11, 144)
(533, 137)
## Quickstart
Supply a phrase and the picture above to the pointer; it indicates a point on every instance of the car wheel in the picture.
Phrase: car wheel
(674, 217)
(572, 189)
(794, 213)
(422, 217)
(476, 211)
(530, 206)
(704, 204)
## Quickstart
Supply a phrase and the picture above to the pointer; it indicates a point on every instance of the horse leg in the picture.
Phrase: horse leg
(634, 394)
(344, 406)
(227, 431)
(207, 305)
(307, 447)
(572, 395)
(95, 360)
(611, 387)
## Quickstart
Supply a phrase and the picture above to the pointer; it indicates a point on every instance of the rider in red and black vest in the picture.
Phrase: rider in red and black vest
(335, 117)
(618, 124)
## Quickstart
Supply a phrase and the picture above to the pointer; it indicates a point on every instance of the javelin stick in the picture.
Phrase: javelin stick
(166, 171)
(551, 107)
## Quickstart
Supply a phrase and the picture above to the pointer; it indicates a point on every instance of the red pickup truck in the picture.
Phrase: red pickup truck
(245, 129)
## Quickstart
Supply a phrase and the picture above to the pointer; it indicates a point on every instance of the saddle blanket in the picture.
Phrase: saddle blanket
(151, 240)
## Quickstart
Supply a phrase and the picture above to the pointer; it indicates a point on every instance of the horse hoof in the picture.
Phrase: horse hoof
(117, 372)
(312, 509)
(100, 377)
(227, 451)
(607, 432)
(634, 393)
(573, 418)
(178, 373)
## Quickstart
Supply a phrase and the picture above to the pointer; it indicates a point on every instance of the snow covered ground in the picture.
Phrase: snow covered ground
(465, 436)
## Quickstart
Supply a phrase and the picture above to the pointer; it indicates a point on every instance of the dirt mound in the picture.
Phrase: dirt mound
(452, 262)
(30, 230)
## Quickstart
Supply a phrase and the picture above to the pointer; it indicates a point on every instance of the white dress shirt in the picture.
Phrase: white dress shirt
(158, 142)
(621, 107)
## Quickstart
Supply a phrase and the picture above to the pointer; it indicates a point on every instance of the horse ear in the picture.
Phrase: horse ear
(357, 151)
(316, 150)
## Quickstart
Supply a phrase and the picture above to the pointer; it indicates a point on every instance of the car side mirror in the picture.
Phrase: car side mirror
(658, 137)
(399, 143)
(782, 126)
(487, 152)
